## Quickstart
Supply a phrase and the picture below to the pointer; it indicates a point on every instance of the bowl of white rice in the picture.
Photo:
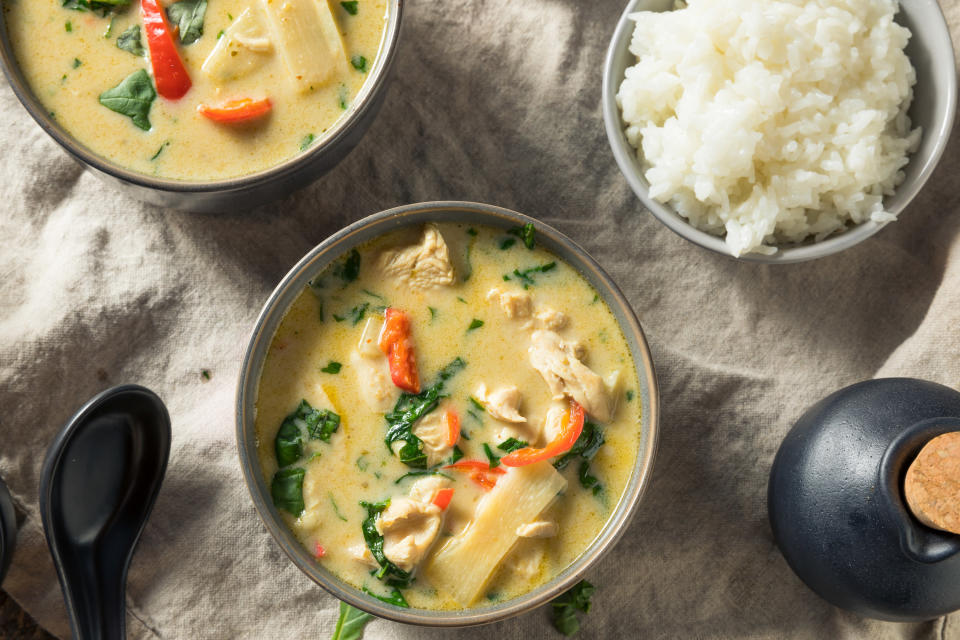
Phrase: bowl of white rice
(778, 130)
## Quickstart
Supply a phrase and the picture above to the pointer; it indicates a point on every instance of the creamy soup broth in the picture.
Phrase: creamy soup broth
(69, 60)
(356, 464)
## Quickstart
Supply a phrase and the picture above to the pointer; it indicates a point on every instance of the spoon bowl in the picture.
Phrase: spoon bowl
(98, 485)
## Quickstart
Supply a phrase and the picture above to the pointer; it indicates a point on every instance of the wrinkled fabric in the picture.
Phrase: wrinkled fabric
(498, 102)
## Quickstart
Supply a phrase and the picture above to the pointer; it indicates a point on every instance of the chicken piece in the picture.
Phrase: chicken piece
(550, 318)
(503, 403)
(566, 375)
(433, 431)
(526, 558)
(361, 554)
(516, 304)
(373, 371)
(409, 528)
(538, 529)
(242, 49)
(553, 420)
(425, 489)
(420, 266)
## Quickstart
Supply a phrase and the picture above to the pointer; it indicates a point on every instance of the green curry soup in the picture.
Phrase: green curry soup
(508, 342)
(261, 80)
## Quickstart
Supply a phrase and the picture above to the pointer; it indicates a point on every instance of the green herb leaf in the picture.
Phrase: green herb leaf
(433, 313)
(359, 63)
(287, 490)
(317, 424)
(307, 141)
(472, 232)
(350, 624)
(336, 509)
(512, 444)
(494, 459)
(349, 269)
(327, 423)
(630, 394)
(159, 151)
(507, 243)
(410, 408)
(357, 313)
(395, 598)
(220, 34)
(525, 233)
(475, 324)
(188, 15)
(109, 31)
(586, 447)
(342, 95)
(332, 367)
(350, 7)
(76, 63)
(101, 6)
(526, 278)
(456, 455)
(390, 573)
(418, 474)
(477, 404)
(68, 26)
(132, 97)
(565, 607)
(129, 41)
(588, 481)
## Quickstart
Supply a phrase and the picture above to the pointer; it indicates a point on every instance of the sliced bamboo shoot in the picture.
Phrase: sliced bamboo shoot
(308, 39)
(467, 561)
(242, 48)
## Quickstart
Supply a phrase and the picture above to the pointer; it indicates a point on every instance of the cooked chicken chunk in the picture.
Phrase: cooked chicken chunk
(409, 527)
(421, 266)
(565, 374)
(503, 403)
(526, 558)
(373, 371)
(361, 553)
(538, 529)
(554, 420)
(434, 432)
(516, 304)
(549, 318)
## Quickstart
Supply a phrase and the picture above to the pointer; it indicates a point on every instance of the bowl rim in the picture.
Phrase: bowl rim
(624, 155)
(364, 101)
(374, 226)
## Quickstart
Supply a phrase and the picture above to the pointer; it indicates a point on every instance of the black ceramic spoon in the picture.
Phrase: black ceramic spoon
(8, 529)
(99, 481)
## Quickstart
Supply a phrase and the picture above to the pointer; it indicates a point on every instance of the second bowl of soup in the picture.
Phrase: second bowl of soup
(201, 106)
(447, 413)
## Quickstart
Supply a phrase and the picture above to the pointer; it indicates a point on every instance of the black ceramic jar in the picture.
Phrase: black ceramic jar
(837, 508)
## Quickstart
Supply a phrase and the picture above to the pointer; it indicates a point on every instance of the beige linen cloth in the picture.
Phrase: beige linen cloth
(494, 101)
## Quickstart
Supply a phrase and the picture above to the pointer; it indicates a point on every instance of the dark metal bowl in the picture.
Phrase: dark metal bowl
(234, 193)
(315, 262)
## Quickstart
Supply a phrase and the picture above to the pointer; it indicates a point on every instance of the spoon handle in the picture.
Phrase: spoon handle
(94, 599)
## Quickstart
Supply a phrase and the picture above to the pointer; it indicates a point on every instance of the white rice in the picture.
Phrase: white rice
(771, 121)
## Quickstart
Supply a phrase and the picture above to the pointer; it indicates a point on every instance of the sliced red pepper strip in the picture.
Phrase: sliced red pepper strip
(395, 342)
(453, 427)
(240, 110)
(443, 497)
(171, 76)
(571, 426)
(475, 465)
(319, 551)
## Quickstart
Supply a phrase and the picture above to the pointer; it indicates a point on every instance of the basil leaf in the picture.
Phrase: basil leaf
(129, 41)
(525, 233)
(349, 269)
(474, 324)
(323, 423)
(359, 63)
(350, 7)
(287, 490)
(133, 97)
(395, 598)
(494, 460)
(511, 444)
(390, 573)
(318, 424)
(307, 141)
(417, 474)
(188, 15)
(507, 243)
(586, 447)
(350, 624)
(526, 276)
(332, 367)
(565, 607)
(103, 7)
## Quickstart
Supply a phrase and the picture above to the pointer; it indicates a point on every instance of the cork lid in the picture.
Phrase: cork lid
(932, 484)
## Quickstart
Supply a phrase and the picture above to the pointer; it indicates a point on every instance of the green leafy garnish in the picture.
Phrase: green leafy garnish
(332, 367)
(457, 454)
(350, 623)
(68, 26)
(205, 374)
(109, 31)
(475, 324)
(101, 6)
(588, 481)
(318, 424)
(565, 607)
(525, 233)
(357, 313)
(630, 394)
(507, 243)
(342, 95)
(472, 232)
(220, 34)
(417, 474)
(433, 313)
(359, 63)
(188, 15)
(132, 97)
(362, 464)
(350, 7)
(477, 404)
(349, 269)
(395, 598)
(76, 63)
(336, 509)
(494, 459)
(511, 444)
(287, 490)
(129, 41)
(586, 447)
(159, 151)
(410, 408)
(390, 573)
(526, 278)
(307, 141)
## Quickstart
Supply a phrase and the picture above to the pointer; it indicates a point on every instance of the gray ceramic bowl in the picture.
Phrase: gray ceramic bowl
(234, 193)
(316, 261)
(934, 107)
